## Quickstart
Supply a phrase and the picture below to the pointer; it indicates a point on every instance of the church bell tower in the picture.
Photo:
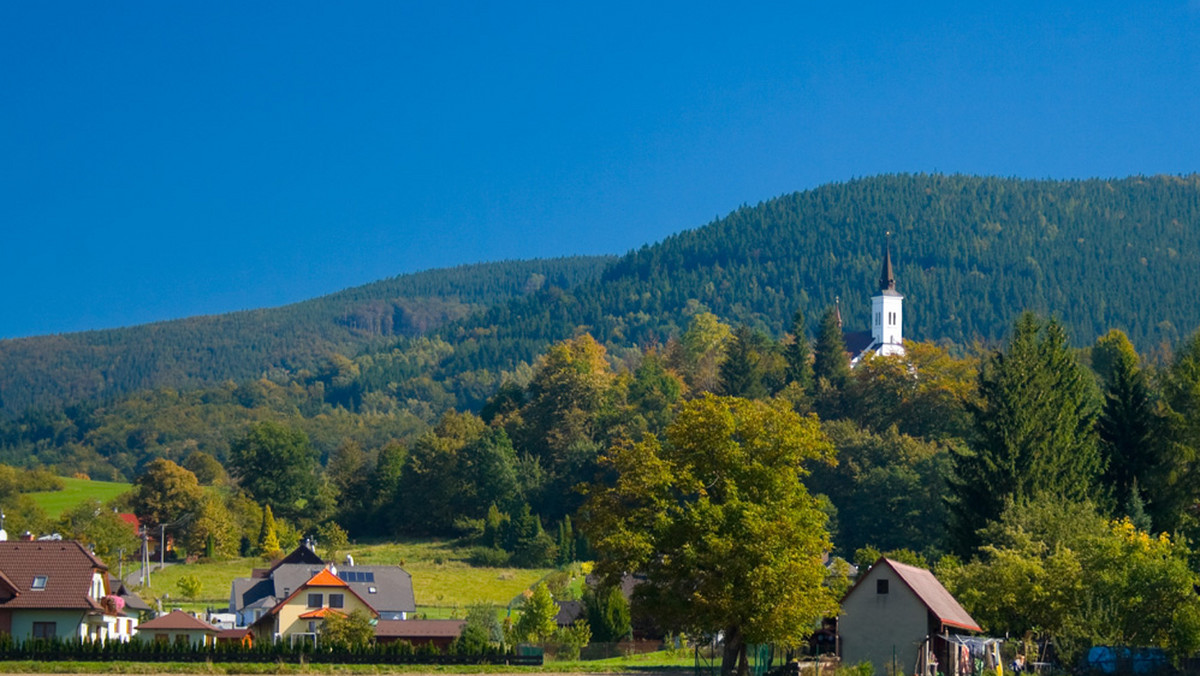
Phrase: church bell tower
(887, 311)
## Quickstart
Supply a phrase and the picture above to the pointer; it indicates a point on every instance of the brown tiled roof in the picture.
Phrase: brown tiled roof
(935, 597)
(68, 568)
(402, 629)
(177, 620)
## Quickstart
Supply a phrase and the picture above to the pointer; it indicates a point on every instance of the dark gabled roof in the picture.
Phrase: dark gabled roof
(410, 629)
(857, 342)
(568, 612)
(177, 620)
(132, 601)
(67, 565)
(302, 555)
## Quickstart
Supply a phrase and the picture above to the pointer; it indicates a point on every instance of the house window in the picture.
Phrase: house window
(45, 629)
(878, 318)
(337, 600)
(181, 639)
(162, 638)
(315, 600)
(312, 626)
(881, 586)
(39, 582)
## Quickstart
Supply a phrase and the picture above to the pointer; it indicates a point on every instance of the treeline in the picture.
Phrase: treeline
(54, 371)
(971, 253)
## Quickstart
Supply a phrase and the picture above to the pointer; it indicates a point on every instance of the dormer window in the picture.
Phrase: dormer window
(39, 583)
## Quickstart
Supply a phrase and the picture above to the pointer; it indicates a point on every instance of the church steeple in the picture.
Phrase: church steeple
(887, 310)
(887, 279)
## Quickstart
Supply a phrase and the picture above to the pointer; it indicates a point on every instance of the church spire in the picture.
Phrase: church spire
(887, 280)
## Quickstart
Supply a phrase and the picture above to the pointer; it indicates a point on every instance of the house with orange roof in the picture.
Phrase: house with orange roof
(299, 616)
(901, 619)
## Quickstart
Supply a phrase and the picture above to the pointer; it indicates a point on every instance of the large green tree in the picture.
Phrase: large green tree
(718, 520)
(1035, 430)
(831, 365)
(277, 466)
(166, 493)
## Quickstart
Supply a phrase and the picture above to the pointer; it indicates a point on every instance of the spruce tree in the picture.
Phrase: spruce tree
(1129, 427)
(799, 354)
(740, 375)
(1035, 431)
(830, 361)
(1176, 486)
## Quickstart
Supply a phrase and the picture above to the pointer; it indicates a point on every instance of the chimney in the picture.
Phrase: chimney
(27, 537)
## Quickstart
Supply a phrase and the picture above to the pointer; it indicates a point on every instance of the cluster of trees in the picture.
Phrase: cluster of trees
(971, 252)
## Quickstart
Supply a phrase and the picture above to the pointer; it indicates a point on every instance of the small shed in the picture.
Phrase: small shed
(898, 618)
(178, 627)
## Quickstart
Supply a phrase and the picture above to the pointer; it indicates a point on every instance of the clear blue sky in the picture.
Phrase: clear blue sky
(164, 159)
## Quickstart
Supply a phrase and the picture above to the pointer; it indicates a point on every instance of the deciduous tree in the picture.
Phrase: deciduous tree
(717, 519)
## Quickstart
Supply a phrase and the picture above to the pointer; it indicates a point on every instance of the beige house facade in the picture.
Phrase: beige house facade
(299, 617)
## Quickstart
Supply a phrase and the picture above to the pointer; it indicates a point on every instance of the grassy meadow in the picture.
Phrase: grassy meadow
(443, 582)
(75, 492)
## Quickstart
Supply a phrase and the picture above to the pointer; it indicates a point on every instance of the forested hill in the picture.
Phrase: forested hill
(971, 253)
(62, 369)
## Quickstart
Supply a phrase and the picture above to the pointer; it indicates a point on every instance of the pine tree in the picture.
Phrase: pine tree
(268, 541)
(1129, 427)
(1035, 429)
(799, 354)
(740, 373)
(830, 361)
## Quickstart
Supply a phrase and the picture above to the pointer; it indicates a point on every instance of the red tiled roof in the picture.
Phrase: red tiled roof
(404, 629)
(177, 620)
(67, 566)
(318, 614)
(935, 597)
(325, 579)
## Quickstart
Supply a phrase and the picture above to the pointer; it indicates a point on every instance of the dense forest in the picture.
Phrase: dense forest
(385, 361)
(52, 371)
(971, 253)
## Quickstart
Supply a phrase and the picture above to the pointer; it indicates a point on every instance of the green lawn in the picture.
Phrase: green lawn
(443, 583)
(75, 492)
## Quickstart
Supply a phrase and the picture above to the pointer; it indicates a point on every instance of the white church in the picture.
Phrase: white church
(886, 337)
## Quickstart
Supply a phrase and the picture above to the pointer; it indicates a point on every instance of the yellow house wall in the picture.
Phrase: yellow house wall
(288, 619)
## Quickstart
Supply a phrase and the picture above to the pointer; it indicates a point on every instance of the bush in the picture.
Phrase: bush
(488, 557)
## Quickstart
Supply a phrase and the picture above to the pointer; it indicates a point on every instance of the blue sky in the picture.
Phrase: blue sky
(161, 160)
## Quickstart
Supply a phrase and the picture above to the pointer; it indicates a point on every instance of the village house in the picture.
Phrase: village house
(901, 619)
(386, 589)
(299, 617)
(59, 589)
(179, 628)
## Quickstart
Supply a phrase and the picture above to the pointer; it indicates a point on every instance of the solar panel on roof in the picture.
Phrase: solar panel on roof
(356, 576)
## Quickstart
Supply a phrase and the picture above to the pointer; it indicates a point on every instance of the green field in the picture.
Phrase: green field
(75, 492)
(443, 583)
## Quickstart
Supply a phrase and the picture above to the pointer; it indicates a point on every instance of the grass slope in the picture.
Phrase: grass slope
(443, 583)
(75, 492)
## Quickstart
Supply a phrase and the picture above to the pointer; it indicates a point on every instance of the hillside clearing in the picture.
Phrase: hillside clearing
(75, 492)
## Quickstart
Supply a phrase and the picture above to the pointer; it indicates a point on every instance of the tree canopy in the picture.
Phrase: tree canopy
(718, 520)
